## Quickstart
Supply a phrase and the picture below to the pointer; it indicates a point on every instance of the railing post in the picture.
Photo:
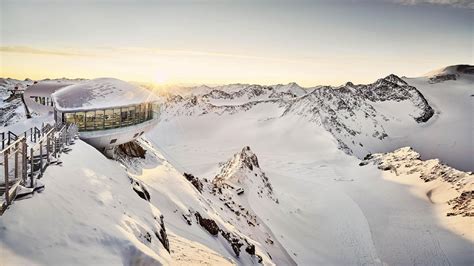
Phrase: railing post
(32, 167)
(7, 187)
(41, 158)
(47, 148)
(16, 161)
(54, 147)
(24, 160)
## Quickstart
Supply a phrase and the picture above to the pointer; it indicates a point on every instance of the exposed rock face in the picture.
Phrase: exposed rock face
(229, 193)
(194, 180)
(208, 224)
(162, 235)
(441, 78)
(243, 170)
(236, 242)
(463, 205)
(406, 161)
(132, 149)
(140, 189)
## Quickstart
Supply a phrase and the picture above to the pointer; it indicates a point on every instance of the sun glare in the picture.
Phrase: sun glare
(159, 78)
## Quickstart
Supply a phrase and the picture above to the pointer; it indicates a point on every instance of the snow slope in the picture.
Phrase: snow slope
(450, 134)
(87, 214)
(330, 211)
(450, 190)
(181, 203)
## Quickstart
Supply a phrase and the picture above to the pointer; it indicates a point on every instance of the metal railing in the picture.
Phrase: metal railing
(14, 170)
(21, 160)
(32, 134)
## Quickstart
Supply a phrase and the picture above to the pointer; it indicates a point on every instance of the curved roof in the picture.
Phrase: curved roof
(45, 88)
(101, 93)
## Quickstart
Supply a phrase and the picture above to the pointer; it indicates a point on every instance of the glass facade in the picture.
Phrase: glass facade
(112, 118)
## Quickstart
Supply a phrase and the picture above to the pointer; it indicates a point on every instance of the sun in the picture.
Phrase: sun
(159, 77)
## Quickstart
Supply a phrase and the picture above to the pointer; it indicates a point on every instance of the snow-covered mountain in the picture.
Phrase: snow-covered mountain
(352, 113)
(243, 172)
(250, 174)
(298, 141)
(449, 73)
(376, 117)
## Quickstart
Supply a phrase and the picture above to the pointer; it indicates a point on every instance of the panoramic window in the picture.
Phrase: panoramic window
(110, 118)
(99, 119)
(116, 117)
(145, 111)
(124, 116)
(80, 120)
(69, 118)
(138, 113)
(90, 120)
(131, 113)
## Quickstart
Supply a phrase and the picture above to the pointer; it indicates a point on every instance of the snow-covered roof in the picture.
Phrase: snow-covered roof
(101, 93)
(45, 88)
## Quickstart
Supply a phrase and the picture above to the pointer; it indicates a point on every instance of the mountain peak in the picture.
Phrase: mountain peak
(248, 158)
(241, 164)
(395, 79)
(243, 171)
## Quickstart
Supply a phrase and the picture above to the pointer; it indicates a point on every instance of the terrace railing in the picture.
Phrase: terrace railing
(13, 171)
(22, 159)
(31, 135)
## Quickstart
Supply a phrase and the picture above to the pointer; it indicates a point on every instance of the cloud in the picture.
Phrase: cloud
(142, 52)
(30, 50)
(454, 3)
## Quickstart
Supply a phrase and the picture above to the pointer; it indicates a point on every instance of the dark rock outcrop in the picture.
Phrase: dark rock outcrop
(208, 224)
(162, 235)
(194, 180)
(462, 205)
(443, 77)
(132, 149)
(141, 191)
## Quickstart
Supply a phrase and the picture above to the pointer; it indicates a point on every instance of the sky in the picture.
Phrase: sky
(327, 42)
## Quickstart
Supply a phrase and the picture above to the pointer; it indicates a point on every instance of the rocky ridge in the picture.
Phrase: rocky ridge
(406, 161)
(338, 109)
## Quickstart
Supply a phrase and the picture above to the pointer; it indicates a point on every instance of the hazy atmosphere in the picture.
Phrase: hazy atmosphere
(215, 42)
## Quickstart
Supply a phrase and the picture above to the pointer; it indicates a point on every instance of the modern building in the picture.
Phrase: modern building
(38, 96)
(107, 111)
